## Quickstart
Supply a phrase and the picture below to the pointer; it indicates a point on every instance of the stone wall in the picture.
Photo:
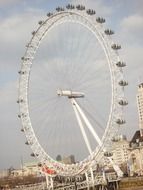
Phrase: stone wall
(134, 183)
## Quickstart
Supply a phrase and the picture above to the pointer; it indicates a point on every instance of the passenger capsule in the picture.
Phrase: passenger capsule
(25, 58)
(108, 154)
(123, 83)
(62, 9)
(69, 6)
(121, 64)
(123, 102)
(90, 12)
(27, 143)
(80, 7)
(40, 22)
(49, 14)
(21, 72)
(100, 20)
(39, 164)
(58, 9)
(22, 115)
(120, 121)
(29, 45)
(116, 47)
(20, 101)
(109, 32)
(22, 130)
(33, 33)
(115, 139)
(34, 155)
(19, 116)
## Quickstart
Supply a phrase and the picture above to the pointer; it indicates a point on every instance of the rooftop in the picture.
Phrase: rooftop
(137, 138)
(140, 85)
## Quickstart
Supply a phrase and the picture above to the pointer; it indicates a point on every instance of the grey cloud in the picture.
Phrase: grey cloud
(99, 6)
(12, 146)
(132, 26)
(7, 2)
(15, 33)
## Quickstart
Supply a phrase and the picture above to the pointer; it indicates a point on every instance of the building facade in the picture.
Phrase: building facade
(135, 161)
(26, 170)
(4, 173)
(68, 160)
(140, 106)
(136, 154)
(120, 150)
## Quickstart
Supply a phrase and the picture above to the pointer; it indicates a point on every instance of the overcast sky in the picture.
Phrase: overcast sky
(18, 18)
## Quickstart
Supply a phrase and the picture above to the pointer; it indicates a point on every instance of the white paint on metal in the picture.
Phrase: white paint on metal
(117, 92)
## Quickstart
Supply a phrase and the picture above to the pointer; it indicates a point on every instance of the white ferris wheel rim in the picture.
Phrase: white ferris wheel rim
(117, 91)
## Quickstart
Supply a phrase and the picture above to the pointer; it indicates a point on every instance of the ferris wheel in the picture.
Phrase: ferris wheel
(71, 68)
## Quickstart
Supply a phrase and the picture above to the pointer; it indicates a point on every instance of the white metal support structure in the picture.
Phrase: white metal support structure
(88, 124)
(87, 18)
(81, 126)
(92, 176)
(49, 182)
(75, 104)
(87, 180)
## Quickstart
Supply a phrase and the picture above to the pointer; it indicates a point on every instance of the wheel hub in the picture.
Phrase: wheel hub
(70, 94)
